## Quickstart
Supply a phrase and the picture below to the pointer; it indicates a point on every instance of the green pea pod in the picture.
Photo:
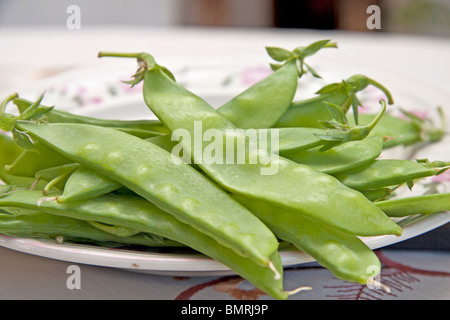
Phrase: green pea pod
(424, 204)
(42, 225)
(352, 212)
(311, 112)
(85, 184)
(398, 131)
(264, 103)
(341, 158)
(385, 173)
(151, 172)
(407, 130)
(59, 116)
(138, 213)
(345, 255)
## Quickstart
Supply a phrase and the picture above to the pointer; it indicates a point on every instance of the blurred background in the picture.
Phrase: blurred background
(430, 17)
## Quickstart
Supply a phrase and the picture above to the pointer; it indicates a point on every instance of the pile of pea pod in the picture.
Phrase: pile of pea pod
(115, 183)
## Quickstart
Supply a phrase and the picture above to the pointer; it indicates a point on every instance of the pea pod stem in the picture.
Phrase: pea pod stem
(102, 54)
(382, 88)
(5, 102)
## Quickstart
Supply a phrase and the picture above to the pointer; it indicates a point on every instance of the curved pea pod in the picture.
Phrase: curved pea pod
(261, 105)
(85, 184)
(58, 116)
(138, 213)
(313, 111)
(385, 173)
(344, 157)
(345, 255)
(299, 187)
(151, 172)
(424, 205)
(41, 225)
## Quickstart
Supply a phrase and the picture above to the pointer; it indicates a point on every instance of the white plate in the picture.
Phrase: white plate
(99, 93)
(183, 264)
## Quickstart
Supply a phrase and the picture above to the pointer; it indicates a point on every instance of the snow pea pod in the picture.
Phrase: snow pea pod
(264, 103)
(385, 173)
(42, 225)
(423, 204)
(85, 184)
(407, 130)
(150, 172)
(310, 112)
(138, 213)
(59, 116)
(344, 157)
(292, 185)
(397, 130)
(345, 255)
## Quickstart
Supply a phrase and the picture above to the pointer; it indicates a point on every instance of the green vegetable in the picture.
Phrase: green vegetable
(59, 228)
(150, 172)
(352, 212)
(313, 111)
(137, 213)
(388, 172)
(424, 204)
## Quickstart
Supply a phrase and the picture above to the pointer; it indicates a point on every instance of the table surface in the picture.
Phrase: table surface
(413, 270)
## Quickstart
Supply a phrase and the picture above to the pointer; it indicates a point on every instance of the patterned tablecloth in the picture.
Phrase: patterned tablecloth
(409, 274)
(417, 268)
